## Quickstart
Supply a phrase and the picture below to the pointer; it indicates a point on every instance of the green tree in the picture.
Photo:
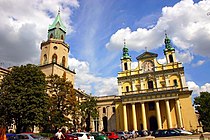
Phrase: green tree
(88, 110)
(63, 102)
(202, 105)
(23, 98)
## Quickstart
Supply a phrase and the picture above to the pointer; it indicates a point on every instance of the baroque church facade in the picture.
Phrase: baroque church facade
(152, 96)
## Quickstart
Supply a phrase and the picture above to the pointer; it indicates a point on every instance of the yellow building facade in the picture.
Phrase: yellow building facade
(152, 96)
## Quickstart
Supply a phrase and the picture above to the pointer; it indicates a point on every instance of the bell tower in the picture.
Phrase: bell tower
(55, 51)
(169, 51)
(126, 59)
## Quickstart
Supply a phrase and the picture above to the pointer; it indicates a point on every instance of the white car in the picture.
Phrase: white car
(183, 132)
(83, 136)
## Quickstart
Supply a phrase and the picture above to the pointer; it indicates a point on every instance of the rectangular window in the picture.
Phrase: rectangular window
(113, 109)
(104, 110)
(150, 85)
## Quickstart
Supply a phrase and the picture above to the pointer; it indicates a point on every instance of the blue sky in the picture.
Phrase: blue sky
(96, 30)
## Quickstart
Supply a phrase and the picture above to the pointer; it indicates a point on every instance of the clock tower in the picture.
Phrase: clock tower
(55, 51)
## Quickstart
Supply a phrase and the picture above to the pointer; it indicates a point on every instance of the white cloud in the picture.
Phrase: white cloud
(134, 65)
(162, 61)
(193, 86)
(87, 81)
(186, 23)
(196, 89)
(24, 25)
(205, 88)
(184, 56)
(199, 63)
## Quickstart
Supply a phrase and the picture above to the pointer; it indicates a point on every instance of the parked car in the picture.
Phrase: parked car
(165, 133)
(28, 136)
(183, 132)
(11, 136)
(99, 136)
(143, 133)
(112, 136)
(67, 137)
(83, 136)
(122, 135)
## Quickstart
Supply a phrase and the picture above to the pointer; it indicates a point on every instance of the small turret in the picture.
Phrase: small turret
(126, 58)
(169, 51)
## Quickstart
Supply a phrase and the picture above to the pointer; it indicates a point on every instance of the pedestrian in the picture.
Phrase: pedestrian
(133, 134)
(59, 135)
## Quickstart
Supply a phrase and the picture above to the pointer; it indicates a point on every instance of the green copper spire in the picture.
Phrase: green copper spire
(59, 22)
(57, 30)
(168, 46)
(125, 52)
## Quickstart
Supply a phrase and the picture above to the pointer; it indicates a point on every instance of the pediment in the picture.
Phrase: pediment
(146, 55)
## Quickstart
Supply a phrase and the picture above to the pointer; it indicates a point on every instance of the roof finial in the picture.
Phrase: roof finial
(165, 33)
(59, 10)
(146, 48)
(124, 42)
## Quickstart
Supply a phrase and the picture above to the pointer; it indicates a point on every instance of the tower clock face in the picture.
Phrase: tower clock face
(147, 66)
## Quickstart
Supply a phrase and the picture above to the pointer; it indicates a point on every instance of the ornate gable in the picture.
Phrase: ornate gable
(146, 55)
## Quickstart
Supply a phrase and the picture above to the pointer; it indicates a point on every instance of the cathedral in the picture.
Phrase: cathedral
(152, 96)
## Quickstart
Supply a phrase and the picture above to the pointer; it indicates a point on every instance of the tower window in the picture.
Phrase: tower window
(126, 66)
(127, 88)
(45, 59)
(54, 58)
(51, 35)
(62, 37)
(150, 84)
(104, 110)
(171, 58)
(175, 83)
(63, 61)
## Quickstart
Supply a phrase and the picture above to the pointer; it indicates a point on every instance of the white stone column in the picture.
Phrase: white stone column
(125, 118)
(183, 80)
(120, 88)
(158, 114)
(179, 115)
(144, 119)
(134, 117)
(168, 112)
(133, 85)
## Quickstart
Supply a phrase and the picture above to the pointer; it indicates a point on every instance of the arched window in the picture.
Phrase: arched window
(51, 35)
(62, 37)
(171, 58)
(63, 61)
(54, 58)
(175, 83)
(45, 59)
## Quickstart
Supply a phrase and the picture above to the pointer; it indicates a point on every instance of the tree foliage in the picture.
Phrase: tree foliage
(202, 105)
(62, 100)
(23, 98)
(88, 110)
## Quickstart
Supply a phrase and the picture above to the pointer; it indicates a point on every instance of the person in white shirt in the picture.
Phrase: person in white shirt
(59, 135)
